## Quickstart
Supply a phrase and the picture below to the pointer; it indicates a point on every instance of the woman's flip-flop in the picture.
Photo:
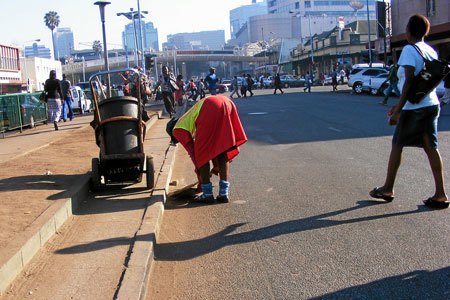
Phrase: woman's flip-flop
(436, 204)
(375, 193)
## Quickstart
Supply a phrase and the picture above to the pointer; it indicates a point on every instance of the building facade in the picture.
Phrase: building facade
(36, 71)
(149, 32)
(319, 16)
(64, 42)
(36, 50)
(10, 79)
(239, 16)
(203, 40)
(336, 48)
(437, 12)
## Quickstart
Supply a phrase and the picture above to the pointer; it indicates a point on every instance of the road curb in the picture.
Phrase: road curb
(135, 280)
(47, 224)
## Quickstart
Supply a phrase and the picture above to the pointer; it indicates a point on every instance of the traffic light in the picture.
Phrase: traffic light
(149, 60)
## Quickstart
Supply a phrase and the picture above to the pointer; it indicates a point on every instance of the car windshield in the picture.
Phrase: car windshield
(83, 85)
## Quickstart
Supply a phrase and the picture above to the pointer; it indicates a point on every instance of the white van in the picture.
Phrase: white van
(81, 103)
(365, 65)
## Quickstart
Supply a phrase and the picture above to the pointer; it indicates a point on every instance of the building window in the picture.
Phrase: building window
(297, 5)
(431, 8)
(354, 39)
(333, 40)
(307, 4)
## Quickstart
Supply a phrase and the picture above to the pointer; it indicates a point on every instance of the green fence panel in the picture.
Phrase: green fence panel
(19, 110)
(33, 110)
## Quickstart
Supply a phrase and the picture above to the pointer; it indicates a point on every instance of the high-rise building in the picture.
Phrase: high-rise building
(149, 32)
(203, 40)
(64, 42)
(239, 16)
(318, 16)
(37, 51)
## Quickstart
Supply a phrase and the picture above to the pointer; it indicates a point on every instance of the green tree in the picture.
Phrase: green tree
(97, 47)
(51, 20)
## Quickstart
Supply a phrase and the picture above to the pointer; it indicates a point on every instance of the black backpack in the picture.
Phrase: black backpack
(428, 78)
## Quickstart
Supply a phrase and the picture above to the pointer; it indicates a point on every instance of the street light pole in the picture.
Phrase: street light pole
(175, 60)
(84, 70)
(140, 34)
(311, 38)
(368, 32)
(131, 15)
(101, 5)
(310, 33)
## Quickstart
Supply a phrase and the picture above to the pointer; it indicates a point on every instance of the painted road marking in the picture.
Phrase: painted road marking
(334, 129)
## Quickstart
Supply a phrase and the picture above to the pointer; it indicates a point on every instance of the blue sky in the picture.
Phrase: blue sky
(23, 20)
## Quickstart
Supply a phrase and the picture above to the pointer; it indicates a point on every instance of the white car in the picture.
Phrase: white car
(268, 82)
(375, 85)
(80, 102)
(358, 75)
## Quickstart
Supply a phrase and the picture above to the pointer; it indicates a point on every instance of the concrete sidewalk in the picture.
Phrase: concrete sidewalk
(44, 174)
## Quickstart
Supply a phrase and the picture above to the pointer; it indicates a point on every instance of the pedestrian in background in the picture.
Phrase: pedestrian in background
(235, 87)
(53, 89)
(168, 86)
(201, 88)
(178, 94)
(322, 79)
(393, 82)
(308, 81)
(244, 85)
(66, 99)
(334, 80)
(277, 84)
(193, 90)
(416, 123)
(250, 83)
(218, 132)
(211, 81)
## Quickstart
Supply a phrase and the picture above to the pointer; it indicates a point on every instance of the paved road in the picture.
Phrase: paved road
(301, 224)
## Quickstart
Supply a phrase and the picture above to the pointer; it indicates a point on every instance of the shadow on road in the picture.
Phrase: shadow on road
(227, 237)
(419, 284)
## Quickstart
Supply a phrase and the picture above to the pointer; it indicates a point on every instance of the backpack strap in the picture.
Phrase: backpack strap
(418, 50)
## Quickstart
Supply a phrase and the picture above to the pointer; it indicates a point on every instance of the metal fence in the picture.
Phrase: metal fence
(21, 110)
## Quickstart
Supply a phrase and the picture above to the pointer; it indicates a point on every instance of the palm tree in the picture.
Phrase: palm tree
(51, 20)
(97, 47)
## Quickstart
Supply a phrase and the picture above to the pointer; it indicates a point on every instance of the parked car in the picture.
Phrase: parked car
(268, 82)
(375, 85)
(87, 89)
(358, 75)
(224, 86)
(291, 81)
(80, 102)
(329, 80)
(32, 110)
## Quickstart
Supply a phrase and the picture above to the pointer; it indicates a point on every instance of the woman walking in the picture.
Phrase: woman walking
(53, 88)
(168, 86)
(416, 123)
